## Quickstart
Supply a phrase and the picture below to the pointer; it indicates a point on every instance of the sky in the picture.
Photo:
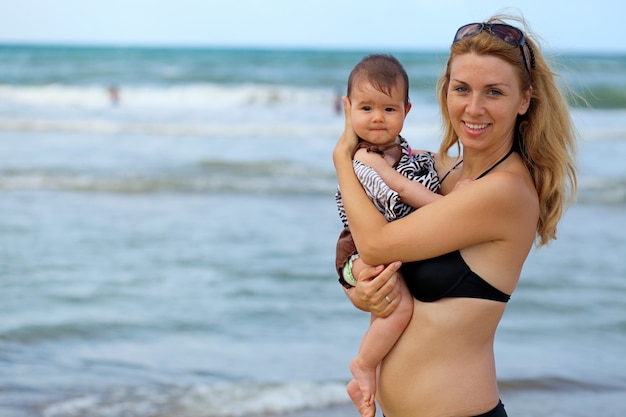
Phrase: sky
(563, 25)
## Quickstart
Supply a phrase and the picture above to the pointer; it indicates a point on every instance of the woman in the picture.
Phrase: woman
(463, 254)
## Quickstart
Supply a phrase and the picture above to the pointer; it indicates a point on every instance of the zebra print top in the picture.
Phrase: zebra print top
(419, 168)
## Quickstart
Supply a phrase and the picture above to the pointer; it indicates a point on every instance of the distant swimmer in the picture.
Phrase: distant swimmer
(114, 95)
(337, 103)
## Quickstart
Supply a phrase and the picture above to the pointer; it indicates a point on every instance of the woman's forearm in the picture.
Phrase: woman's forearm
(366, 222)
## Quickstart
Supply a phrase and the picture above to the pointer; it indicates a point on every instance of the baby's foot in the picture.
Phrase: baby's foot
(366, 380)
(357, 398)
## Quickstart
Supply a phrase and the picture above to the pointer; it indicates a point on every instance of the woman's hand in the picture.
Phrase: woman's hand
(348, 140)
(376, 290)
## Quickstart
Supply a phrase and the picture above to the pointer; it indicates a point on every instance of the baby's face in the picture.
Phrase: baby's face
(377, 117)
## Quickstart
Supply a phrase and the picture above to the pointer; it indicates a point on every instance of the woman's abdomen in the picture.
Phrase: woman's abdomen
(443, 362)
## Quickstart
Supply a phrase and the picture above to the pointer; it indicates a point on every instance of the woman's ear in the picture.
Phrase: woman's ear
(527, 95)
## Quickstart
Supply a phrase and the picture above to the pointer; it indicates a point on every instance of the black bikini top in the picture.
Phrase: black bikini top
(449, 275)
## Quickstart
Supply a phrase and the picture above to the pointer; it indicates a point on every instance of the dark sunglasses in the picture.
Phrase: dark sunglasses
(507, 33)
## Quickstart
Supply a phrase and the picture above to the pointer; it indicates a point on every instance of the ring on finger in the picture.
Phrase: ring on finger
(387, 299)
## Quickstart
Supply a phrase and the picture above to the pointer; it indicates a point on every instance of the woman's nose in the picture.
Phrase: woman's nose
(475, 105)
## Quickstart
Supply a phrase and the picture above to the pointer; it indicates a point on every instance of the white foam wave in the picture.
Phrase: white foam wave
(594, 125)
(602, 191)
(195, 96)
(247, 179)
(222, 400)
(203, 110)
(590, 191)
(282, 128)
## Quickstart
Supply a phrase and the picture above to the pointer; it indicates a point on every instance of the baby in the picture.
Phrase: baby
(402, 181)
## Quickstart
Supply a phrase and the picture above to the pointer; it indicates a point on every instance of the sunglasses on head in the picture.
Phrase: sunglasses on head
(507, 33)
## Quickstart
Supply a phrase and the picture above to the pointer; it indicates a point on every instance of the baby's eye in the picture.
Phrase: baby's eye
(389, 109)
(367, 108)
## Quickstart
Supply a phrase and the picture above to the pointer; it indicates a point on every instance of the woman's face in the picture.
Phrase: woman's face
(484, 99)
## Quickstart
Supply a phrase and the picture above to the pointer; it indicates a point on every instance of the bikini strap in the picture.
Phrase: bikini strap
(496, 164)
(450, 170)
(484, 173)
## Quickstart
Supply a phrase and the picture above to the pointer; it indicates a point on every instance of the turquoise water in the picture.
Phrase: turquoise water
(173, 254)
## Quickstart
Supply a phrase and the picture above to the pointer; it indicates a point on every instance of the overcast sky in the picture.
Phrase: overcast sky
(564, 25)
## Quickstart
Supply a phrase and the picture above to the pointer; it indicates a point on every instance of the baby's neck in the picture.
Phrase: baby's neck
(392, 151)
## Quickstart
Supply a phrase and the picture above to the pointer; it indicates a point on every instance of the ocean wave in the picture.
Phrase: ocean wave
(273, 177)
(211, 96)
(267, 177)
(243, 399)
(102, 126)
(605, 97)
(38, 333)
(93, 330)
(277, 128)
(602, 191)
(194, 96)
(553, 384)
(221, 400)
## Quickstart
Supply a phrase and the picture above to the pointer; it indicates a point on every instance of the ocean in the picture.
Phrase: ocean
(169, 251)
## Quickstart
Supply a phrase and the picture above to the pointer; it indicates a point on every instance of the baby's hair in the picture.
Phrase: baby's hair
(383, 71)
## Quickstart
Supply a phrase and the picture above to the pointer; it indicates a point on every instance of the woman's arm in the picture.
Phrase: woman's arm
(367, 218)
(374, 283)
(479, 212)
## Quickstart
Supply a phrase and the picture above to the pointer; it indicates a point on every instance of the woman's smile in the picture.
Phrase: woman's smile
(476, 127)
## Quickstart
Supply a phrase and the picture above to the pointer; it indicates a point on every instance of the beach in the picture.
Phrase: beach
(171, 253)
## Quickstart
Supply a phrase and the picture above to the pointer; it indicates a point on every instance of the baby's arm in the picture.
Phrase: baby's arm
(412, 193)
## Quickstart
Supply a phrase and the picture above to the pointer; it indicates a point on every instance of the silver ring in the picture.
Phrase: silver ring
(387, 298)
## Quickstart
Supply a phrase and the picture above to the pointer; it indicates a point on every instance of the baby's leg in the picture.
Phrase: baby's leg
(381, 336)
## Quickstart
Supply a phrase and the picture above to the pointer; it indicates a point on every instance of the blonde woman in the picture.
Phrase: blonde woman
(461, 256)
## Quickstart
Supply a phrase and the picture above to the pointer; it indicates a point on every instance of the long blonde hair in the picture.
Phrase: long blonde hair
(546, 136)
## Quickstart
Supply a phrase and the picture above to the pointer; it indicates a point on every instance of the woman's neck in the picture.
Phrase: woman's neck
(477, 163)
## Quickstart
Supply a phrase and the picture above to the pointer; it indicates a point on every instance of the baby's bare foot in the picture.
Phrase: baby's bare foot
(366, 381)
(357, 398)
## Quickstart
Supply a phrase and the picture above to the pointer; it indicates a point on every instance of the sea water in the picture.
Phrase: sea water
(171, 253)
